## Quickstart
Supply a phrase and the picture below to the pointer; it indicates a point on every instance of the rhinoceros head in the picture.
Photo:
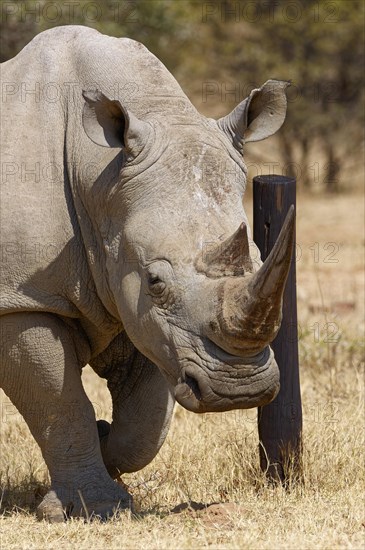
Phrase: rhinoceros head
(186, 276)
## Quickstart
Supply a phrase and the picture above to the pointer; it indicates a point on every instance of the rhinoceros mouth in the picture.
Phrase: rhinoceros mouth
(188, 392)
(193, 386)
(200, 392)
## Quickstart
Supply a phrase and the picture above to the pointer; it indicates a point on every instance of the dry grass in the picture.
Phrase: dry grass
(214, 458)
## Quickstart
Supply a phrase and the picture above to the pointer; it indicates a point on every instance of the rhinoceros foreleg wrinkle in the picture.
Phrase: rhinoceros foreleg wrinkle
(42, 376)
(142, 408)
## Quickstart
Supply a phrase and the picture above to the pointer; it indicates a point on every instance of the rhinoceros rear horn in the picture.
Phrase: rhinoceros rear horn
(107, 123)
(229, 258)
(258, 116)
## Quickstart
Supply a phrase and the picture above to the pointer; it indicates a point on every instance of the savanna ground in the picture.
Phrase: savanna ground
(214, 458)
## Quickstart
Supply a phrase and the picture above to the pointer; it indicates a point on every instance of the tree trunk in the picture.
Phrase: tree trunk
(287, 154)
(331, 180)
(306, 182)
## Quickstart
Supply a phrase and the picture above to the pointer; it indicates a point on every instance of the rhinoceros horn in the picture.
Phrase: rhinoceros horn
(250, 307)
(229, 258)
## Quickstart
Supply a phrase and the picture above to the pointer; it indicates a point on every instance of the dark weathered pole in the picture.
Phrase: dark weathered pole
(280, 422)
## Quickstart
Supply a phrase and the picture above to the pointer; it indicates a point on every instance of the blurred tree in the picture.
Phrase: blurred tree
(15, 31)
(322, 51)
(159, 24)
(319, 46)
(211, 46)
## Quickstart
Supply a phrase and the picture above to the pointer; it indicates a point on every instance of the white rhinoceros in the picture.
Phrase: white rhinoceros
(125, 245)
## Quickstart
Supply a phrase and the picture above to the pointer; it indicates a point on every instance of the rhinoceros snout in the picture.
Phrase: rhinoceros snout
(234, 383)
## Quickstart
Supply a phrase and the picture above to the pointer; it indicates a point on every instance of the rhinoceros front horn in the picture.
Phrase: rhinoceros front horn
(251, 307)
(271, 277)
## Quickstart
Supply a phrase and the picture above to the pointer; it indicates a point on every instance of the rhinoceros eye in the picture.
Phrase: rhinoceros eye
(155, 284)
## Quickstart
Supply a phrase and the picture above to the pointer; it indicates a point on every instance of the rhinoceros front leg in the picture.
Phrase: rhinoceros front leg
(142, 408)
(41, 374)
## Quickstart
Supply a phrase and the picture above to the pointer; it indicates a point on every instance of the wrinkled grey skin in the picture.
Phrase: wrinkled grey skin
(114, 188)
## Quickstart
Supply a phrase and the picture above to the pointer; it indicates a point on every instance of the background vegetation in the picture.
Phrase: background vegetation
(220, 49)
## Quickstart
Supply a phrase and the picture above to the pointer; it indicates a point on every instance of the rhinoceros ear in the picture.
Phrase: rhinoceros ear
(108, 124)
(258, 116)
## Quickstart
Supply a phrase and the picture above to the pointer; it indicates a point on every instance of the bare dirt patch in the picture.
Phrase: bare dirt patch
(218, 515)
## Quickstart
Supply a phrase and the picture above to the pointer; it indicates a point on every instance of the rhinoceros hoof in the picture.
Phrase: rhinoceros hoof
(56, 510)
(51, 509)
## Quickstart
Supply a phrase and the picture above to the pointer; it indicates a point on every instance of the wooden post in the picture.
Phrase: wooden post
(280, 422)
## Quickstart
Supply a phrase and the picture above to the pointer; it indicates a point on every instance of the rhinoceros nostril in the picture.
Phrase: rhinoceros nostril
(194, 386)
(103, 428)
